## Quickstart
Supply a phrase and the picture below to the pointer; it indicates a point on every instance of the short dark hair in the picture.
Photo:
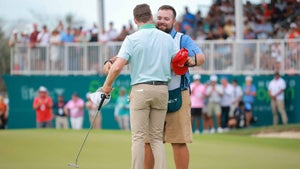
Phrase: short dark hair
(168, 7)
(142, 13)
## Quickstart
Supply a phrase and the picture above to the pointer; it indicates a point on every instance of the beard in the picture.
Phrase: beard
(164, 28)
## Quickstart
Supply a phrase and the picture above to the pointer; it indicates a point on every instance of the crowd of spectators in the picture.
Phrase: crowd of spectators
(277, 19)
(61, 34)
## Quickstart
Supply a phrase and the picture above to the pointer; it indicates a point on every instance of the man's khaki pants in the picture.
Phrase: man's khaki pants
(278, 105)
(148, 107)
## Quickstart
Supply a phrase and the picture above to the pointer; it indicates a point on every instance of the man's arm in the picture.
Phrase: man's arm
(114, 71)
(200, 59)
(108, 63)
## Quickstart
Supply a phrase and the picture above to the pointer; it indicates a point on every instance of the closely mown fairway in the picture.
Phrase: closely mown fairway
(54, 149)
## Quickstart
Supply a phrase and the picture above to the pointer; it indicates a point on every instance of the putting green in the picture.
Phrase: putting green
(105, 149)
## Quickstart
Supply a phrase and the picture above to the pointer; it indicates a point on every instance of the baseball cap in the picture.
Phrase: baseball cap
(42, 89)
(293, 25)
(213, 78)
(196, 76)
(179, 60)
(248, 78)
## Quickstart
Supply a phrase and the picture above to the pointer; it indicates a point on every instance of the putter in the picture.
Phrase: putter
(75, 165)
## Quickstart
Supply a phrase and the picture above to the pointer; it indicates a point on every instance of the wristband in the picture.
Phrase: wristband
(108, 61)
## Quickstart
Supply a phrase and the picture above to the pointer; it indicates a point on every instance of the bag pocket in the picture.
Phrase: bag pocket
(175, 100)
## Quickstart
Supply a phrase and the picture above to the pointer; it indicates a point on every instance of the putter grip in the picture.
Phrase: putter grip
(103, 96)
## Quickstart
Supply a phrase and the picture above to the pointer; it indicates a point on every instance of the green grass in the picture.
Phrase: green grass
(54, 149)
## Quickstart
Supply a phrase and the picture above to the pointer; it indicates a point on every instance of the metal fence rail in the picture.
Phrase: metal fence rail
(222, 57)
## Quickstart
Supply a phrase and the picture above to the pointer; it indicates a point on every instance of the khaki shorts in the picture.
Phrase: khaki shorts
(178, 128)
(213, 109)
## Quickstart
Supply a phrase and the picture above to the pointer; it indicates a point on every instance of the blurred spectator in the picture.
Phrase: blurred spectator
(93, 111)
(112, 32)
(74, 108)
(249, 93)
(61, 117)
(43, 104)
(294, 33)
(197, 99)
(44, 36)
(3, 113)
(229, 28)
(226, 101)
(122, 110)
(263, 29)
(24, 37)
(103, 37)
(68, 36)
(14, 39)
(34, 36)
(55, 43)
(214, 93)
(80, 36)
(276, 90)
(60, 27)
(130, 29)
(122, 35)
(237, 95)
(238, 119)
(94, 33)
(188, 21)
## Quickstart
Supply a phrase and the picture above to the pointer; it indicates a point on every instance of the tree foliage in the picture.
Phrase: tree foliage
(4, 57)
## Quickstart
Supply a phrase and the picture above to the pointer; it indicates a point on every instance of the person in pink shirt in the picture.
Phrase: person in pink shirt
(74, 108)
(197, 99)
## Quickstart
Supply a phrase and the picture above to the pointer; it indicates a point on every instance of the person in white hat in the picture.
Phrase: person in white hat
(214, 93)
(249, 93)
(197, 99)
(43, 104)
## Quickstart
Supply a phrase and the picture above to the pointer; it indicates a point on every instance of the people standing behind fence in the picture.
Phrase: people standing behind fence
(93, 111)
(214, 93)
(238, 120)
(74, 108)
(249, 93)
(197, 101)
(121, 112)
(276, 90)
(226, 101)
(43, 104)
(111, 32)
(68, 36)
(43, 37)
(33, 39)
(3, 113)
(55, 53)
(61, 117)
(94, 33)
(14, 39)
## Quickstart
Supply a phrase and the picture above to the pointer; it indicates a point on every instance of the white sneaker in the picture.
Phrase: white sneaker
(212, 130)
(220, 130)
(197, 132)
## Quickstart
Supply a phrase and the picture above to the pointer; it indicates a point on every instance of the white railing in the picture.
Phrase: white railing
(222, 57)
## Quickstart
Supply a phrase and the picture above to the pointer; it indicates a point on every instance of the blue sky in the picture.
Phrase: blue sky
(15, 14)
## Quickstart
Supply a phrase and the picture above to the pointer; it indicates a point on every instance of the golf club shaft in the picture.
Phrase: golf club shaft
(91, 126)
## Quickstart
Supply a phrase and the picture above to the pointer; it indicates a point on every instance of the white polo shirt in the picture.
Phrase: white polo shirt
(275, 86)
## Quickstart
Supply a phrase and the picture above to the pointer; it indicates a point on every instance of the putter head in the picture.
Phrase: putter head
(73, 165)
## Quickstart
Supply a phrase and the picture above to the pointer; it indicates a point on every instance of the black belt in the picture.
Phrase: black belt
(155, 83)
